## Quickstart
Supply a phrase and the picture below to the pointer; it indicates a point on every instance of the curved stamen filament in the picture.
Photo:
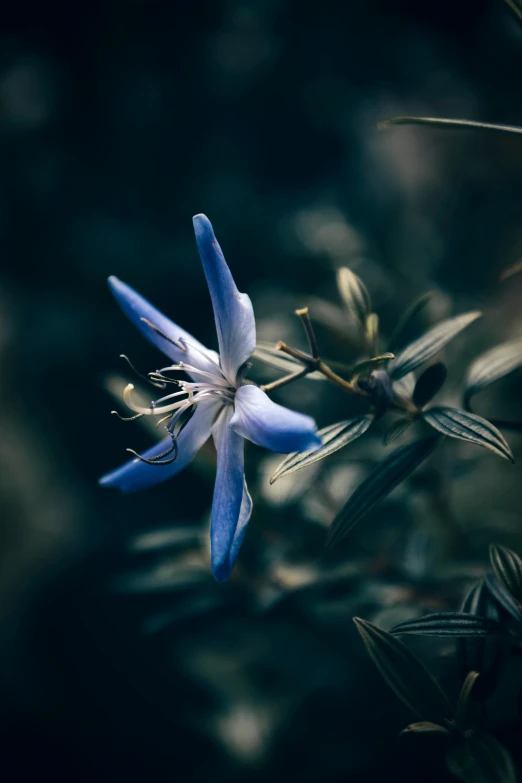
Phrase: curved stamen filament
(203, 353)
(158, 459)
(218, 380)
(153, 411)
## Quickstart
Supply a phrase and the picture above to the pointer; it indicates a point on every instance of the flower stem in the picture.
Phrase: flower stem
(286, 379)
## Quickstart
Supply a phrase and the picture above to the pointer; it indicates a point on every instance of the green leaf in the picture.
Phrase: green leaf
(492, 365)
(507, 567)
(404, 673)
(372, 330)
(487, 655)
(369, 364)
(430, 382)
(505, 599)
(354, 294)
(481, 759)
(268, 354)
(431, 343)
(461, 715)
(397, 428)
(467, 426)
(409, 327)
(334, 437)
(449, 624)
(446, 123)
(381, 481)
(424, 727)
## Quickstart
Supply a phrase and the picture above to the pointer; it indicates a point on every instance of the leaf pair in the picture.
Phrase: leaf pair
(478, 758)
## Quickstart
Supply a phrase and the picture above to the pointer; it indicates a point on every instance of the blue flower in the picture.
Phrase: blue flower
(217, 396)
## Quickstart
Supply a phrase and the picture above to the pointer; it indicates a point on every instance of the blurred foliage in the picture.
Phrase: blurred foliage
(122, 659)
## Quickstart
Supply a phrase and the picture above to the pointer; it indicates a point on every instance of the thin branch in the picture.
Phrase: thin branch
(304, 315)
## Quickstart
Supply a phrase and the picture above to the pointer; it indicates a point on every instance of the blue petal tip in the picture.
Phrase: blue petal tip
(203, 227)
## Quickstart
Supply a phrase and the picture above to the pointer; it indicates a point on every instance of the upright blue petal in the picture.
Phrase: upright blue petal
(231, 505)
(233, 311)
(136, 307)
(272, 426)
(135, 475)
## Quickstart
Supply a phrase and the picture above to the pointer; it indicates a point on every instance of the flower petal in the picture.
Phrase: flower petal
(135, 475)
(270, 425)
(233, 313)
(231, 505)
(136, 308)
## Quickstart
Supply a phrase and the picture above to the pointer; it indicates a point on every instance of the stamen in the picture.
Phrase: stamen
(127, 418)
(191, 407)
(153, 411)
(162, 334)
(168, 416)
(216, 380)
(158, 459)
(203, 353)
(160, 385)
(157, 376)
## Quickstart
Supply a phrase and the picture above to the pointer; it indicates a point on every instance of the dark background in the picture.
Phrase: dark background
(118, 122)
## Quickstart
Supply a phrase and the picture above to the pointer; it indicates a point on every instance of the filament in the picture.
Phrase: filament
(158, 459)
(153, 411)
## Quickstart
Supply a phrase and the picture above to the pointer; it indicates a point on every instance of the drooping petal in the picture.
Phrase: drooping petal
(270, 425)
(135, 475)
(136, 308)
(233, 311)
(231, 505)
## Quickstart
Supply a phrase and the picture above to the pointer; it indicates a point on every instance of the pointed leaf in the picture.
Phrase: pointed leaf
(431, 343)
(507, 567)
(397, 428)
(354, 294)
(372, 330)
(424, 727)
(430, 382)
(381, 481)
(502, 597)
(492, 365)
(268, 354)
(467, 426)
(404, 673)
(449, 624)
(409, 327)
(461, 715)
(481, 759)
(334, 437)
(487, 655)
(450, 124)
